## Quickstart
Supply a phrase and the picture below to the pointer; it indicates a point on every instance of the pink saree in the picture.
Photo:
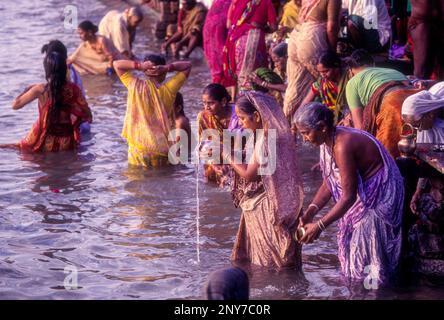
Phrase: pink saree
(246, 37)
(214, 37)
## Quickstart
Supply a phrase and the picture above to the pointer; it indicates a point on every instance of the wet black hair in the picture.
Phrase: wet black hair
(360, 58)
(156, 59)
(330, 59)
(217, 92)
(246, 106)
(179, 105)
(88, 26)
(55, 46)
(55, 74)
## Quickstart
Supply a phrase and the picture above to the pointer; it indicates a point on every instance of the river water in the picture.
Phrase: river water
(82, 225)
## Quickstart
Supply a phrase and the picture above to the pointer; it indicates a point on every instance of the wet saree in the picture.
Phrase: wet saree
(86, 60)
(369, 236)
(149, 118)
(245, 48)
(205, 120)
(51, 137)
(382, 115)
(214, 37)
(271, 205)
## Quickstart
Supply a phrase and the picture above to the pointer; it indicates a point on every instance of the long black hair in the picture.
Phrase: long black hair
(55, 74)
(55, 46)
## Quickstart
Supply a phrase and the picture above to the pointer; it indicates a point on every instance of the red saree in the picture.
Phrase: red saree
(60, 136)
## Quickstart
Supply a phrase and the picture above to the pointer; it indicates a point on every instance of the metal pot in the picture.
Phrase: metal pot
(407, 143)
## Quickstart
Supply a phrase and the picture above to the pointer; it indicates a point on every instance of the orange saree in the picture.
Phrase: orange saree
(206, 120)
(382, 115)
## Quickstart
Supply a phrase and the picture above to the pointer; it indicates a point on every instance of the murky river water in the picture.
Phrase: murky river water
(129, 233)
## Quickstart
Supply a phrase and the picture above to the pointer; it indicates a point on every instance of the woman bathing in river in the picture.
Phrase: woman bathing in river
(368, 191)
(62, 108)
(96, 53)
(270, 201)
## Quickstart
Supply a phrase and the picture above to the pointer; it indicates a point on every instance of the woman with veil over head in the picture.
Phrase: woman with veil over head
(267, 186)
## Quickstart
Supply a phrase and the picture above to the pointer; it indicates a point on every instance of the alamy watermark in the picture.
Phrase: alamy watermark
(71, 281)
(371, 282)
(233, 147)
(71, 17)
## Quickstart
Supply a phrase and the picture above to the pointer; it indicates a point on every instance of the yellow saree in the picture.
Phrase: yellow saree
(149, 118)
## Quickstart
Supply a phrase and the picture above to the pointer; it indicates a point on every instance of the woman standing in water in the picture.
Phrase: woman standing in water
(218, 114)
(368, 191)
(62, 108)
(270, 199)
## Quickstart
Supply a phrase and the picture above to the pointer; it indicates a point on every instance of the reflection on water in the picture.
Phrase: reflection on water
(129, 233)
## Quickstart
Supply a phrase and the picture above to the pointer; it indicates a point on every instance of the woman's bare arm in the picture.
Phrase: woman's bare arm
(357, 117)
(349, 183)
(309, 97)
(30, 94)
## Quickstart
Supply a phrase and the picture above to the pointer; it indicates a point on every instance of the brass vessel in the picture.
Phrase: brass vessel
(407, 143)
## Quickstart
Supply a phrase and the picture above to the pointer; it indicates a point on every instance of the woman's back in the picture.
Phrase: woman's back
(365, 150)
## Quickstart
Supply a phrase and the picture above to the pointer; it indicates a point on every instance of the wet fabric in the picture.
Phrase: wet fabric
(270, 205)
(46, 135)
(369, 236)
(114, 26)
(86, 60)
(149, 118)
(307, 42)
(206, 120)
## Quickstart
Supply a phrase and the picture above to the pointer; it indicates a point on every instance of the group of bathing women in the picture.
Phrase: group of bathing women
(358, 172)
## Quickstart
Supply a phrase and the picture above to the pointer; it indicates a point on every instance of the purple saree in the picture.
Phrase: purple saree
(369, 237)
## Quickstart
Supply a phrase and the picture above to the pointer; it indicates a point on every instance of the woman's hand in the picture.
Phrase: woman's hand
(304, 219)
(312, 233)
(156, 71)
(254, 78)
